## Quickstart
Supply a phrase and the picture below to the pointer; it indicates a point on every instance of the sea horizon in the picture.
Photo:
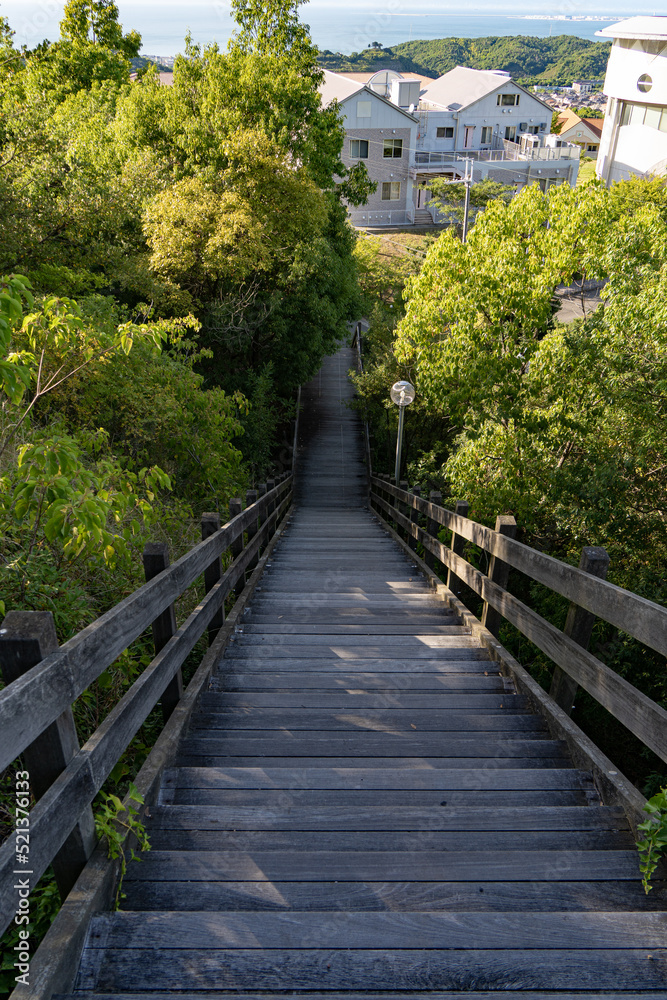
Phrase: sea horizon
(163, 29)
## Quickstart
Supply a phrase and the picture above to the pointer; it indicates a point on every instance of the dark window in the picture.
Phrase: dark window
(446, 132)
(359, 149)
(393, 148)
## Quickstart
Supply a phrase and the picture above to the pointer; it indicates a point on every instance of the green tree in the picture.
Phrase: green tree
(450, 197)
(96, 21)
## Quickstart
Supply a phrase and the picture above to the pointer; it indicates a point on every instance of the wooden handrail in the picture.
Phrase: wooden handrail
(85, 656)
(30, 703)
(629, 612)
(635, 710)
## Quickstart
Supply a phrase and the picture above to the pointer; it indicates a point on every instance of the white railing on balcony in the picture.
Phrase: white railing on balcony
(509, 151)
(370, 220)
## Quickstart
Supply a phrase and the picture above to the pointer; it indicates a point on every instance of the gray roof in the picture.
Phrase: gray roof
(462, 87)
(637, 27)
(339, 88)
(335, 87)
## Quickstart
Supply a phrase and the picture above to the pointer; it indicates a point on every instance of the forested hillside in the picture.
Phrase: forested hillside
(558, 60)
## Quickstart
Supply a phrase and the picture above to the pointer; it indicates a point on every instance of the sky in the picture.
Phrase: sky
(164, 20)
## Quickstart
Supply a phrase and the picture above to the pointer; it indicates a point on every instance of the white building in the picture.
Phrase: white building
(381, 135)
(634, 138)
(408, 133)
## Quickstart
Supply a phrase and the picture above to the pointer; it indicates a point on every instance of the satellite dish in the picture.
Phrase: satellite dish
(381, 81)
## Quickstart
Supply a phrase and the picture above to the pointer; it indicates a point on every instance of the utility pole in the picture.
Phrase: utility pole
(467, 180)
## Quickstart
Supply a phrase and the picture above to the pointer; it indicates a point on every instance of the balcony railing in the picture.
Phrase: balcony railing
(508, 151)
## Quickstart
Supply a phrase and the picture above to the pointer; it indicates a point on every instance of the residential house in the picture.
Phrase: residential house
(408, 133)
(487, 117)
(634, 137)
(583, 132)
(381, 135)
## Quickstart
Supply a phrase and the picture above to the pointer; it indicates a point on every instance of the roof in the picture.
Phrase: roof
(636, 27)
(595, 125)
(569, 119)
(462, 87)
(335, 87)
(365, 77)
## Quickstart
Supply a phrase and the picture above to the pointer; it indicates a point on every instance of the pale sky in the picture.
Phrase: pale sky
(161, 22)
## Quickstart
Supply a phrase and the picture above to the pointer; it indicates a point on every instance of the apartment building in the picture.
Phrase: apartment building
(634, 137)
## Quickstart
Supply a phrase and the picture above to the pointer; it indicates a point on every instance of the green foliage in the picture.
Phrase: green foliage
(562, 426)
(450, 198)
(44, 905)
(116, 822)
(557, 60)
(654, 840)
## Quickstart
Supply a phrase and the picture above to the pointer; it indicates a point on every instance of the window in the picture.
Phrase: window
(359, 149)
(644, 114)
(508, 100)
(533, 129)
(510, 133)
(590, 148)
(391, 190)
(644, 83)
(652, 117)
(446, 132)
(363, 109)
(393, 148)
(487, 134)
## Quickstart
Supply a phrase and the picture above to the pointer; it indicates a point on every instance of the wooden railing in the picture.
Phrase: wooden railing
(591, 597)
(44, 680)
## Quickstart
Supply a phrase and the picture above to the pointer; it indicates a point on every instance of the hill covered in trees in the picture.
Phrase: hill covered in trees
(558, 60)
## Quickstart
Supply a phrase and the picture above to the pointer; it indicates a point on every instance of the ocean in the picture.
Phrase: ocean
(339, 28)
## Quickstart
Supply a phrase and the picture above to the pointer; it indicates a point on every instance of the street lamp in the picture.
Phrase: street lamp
(402, 393)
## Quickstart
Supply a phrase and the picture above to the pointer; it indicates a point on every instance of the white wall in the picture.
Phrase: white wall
(633, 149)
(483, 113)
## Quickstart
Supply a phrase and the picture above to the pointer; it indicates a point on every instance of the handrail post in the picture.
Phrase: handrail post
(578, 626)
(236, 548)
(261, 517)
(156, 559)
(402, 507)
(270, 510)
(250, 499)
(432, 527)
(499, 572)
(26, 638)
(457, 545)
(414, 517)
(210, 523)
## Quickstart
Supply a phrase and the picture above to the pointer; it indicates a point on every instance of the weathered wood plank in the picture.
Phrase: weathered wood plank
(474, 700)
(412, 841)
(487, 746)
(370, 797)
(470, 679)
(514, 819)
(374, 778)
(399, 720)
(480, 897)
(387, 866)
(397, 931)
(350, 969)
(204, 759)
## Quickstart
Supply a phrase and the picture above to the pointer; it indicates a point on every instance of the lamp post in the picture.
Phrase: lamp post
(402, 393)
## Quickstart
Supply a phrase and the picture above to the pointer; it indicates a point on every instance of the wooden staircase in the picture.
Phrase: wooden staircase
(363, 806)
